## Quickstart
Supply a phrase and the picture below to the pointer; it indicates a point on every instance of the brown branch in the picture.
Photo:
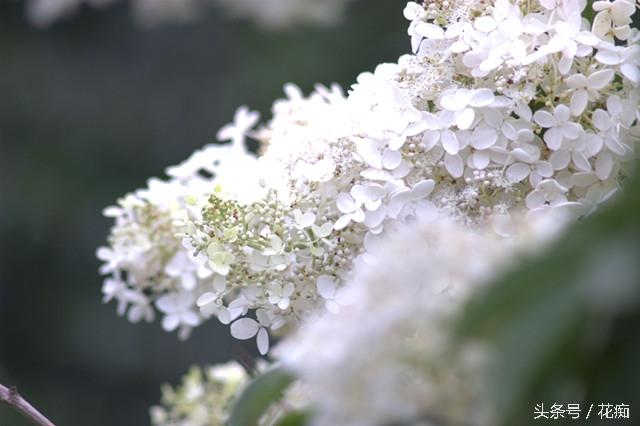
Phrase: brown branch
(12, 397)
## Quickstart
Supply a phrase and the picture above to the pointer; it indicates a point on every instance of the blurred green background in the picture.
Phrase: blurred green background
(91, 108)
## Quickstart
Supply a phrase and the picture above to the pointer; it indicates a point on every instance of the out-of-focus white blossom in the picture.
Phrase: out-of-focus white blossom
(272, 14)
(384, 359)
(206, 395)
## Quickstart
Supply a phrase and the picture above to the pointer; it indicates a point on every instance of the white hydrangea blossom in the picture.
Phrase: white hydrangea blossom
(406, 289)
(272, 14)
(504, 106)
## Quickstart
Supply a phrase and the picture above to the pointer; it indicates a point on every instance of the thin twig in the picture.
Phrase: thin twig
(12, 397)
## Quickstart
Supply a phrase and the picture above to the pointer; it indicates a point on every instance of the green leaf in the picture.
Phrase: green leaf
(295, 418)
(261, 393)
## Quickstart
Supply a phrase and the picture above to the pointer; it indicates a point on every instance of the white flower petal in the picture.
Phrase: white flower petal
(174, 302)
(306, 219)
(484, 137)
(569, 210)
(323, 230)
(326, 286)
(456, 101)
(263, 341)
(581, 161)
(535, 199)
(579, 101)
(224, 316)
(219, 283)
(630, 71)
(571, 130)
(395, 144)
(544, 118)
(561, 113)
(601, 120)
(608, 57)
(544, 168)
(422, 189)
(517, 172)
(604, 165)
(170, 322)
(454, 165)
(345, 203)
(577, 81)
(600, 79)
(366, 193)
(594, 144)
(449, 142)
(413, 11)
(480, 159)
(482, 98)
(553, 138)
(464, 118)
(484, 24)
(560, 159)
(430, 31)
(205, 299)
(190, 318)
(369, 153)
(342, 222)
(391, 159)
(584, 179)
(374, 218)
(244, 328)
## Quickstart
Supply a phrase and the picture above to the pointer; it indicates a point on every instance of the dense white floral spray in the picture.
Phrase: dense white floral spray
(504, 108)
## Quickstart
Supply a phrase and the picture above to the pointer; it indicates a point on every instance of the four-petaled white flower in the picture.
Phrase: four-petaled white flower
(247, 328)
(279, 294)
(178, 310)
(558, 124)
(586, 88)
(613, 19)
(463, 101)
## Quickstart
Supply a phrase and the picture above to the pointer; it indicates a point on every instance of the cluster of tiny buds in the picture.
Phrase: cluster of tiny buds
(221, 213)
(420, 159)
(342, 255)
(503, 82)
(484, 177)
(435, 8)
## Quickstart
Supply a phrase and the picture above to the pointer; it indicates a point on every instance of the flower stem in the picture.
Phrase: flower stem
(13, 398)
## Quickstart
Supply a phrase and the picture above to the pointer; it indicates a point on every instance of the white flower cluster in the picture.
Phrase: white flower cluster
(273, 14)
(541, 104)
(145, 259)
(206, 395)
(386, 358)
(504, 106)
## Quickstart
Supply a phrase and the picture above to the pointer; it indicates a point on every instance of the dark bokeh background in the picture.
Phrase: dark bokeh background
(89, 109)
